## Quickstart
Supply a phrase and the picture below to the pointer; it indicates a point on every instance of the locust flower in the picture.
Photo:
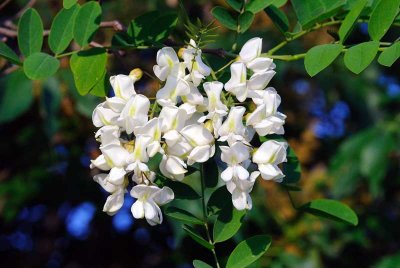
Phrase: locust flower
(116, 198)
(166, 61)
(240, 190)
(173, 167)
(234, 156)
(202, 142)
(242, 88)
(232, 129)
(148, 200)
(250, 54)
(268, 157)
(192, 59)
(134, 113)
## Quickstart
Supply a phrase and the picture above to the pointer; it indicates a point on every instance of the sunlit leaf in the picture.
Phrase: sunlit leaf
(227, 223)
(30, 32)
(248, 251)
(358, 57)
(61, 31)
(87, 21)
(88, 68)
(350, 19)
(331, 209)
(40, 66)
(67, 4)
(382, 18)
(320, 57)
(390, 55)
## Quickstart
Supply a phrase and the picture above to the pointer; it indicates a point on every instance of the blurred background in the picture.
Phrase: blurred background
(345, 129)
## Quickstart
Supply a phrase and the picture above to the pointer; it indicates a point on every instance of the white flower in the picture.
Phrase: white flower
(115, 201)
(234, 156)
(173, 167)
(149, 198)
(166, 60)
(232, 129)
(146, 177)
(108, 135)
(268, 157)
(193, 101)
(151, 129)
(202, 142)
(216, 109)
(134, 113)
(242, 88)
(192, 59)
(103, 116)
(173, 88)
(123, 86)
(139, 156)
(250, 55)
(265, 119)
(240, 190)
(173, 120)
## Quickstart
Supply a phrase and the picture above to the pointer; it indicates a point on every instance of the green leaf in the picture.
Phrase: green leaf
(358, 57)
(9, 54)
(211, 174)
(382, 18)
(224, 17)
(30, 32)
(88, 68)
(331, 209)
(320, 57)
(349, 22)
(67, 4)
(245, 21)
(87, 22)
(100, 89)
(291, 168)
(40, 66)
(182, 190)
(311, 12)
(200, 264)
(248, 251)
(390, 55)
(16, 96)
(278, 17)
(218, 199)
(227, 223)
(235, 4)
(256, 6)
(196, 237)
(61, 31)
(182, 215)
(162, 27)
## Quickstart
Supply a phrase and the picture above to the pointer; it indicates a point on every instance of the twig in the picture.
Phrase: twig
(6, 2)
(116, 25)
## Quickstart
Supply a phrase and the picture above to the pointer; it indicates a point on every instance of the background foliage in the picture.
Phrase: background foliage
(343, 127)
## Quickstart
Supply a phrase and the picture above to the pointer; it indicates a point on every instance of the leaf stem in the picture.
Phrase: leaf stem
(203, 202)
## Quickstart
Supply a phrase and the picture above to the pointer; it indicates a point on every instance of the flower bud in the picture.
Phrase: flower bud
(136, 74)
(180, 52)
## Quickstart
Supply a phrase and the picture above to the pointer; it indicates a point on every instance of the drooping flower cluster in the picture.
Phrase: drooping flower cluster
(185, 122)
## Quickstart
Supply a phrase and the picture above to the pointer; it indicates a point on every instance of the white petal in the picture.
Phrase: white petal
(239, 199)
(241, 172)
(259, 64)
(137, 210)
(164, 196)
(100, 162)
(251, 49)
(227, 174)
(114, 202)
(259, 81)
(117, 175)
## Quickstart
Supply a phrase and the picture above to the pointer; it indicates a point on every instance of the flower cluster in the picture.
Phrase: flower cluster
(185, 122)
